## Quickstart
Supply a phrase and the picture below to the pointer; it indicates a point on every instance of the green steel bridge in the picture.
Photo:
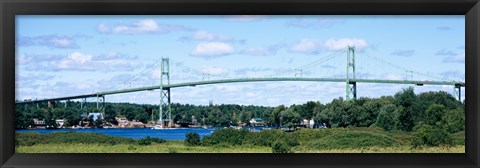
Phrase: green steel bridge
(165, 86)
(239, 80)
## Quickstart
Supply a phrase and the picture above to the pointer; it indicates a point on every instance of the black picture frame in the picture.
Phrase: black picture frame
(10, 8)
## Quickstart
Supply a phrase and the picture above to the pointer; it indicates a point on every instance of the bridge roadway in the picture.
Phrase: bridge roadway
(238, 80)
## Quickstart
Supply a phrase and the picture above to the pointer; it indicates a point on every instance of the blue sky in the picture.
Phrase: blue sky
(69, 55)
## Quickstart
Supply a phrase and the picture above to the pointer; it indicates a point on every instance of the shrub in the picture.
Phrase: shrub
(32, 138)
(172, 150)
(428, 135)
(131, 147)
(148, 140)
(29, 138)
(304, 135)
(352, 140)
(280, 147)
(264, 137)
(192, 139)
(229, 136)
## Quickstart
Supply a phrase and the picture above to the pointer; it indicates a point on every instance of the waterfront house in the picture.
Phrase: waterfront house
(96, 116)
(121, 120)
(60, 122)
(257, 122)
(39, 123)
(307, 123)
(137, 124)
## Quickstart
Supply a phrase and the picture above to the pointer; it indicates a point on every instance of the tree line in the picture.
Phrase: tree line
(405, 111)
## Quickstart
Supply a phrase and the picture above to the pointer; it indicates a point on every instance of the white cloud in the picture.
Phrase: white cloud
(251, 94)
(77, 61)
(207, 36)
(229, 88)
(341, 44)
(62, 41)
(405, 53)
(309, 46)
(142, 26)
(394, 77)
(314, 46)
(256, 51)
(212, 49)
(245, 18)
(459, 58)
(22, 60)
(52, 41)
(213, 70)
(313, 23)
(79, 57)
(102, 28)
(445, 52)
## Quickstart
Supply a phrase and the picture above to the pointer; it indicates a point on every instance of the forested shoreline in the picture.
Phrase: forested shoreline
(405, 111)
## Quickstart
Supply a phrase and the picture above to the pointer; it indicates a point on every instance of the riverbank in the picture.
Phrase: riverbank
(179, 147)
(333, 140)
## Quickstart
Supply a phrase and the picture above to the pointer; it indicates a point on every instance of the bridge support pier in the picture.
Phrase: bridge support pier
(165, 108)
(83, 103)
(51, 104)
(459, 88)
(351, 87)
(165, 115)
(101, 104)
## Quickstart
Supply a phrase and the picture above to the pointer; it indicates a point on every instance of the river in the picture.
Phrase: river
(136, 133)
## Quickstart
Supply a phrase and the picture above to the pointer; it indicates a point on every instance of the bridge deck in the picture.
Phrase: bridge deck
(186, 84)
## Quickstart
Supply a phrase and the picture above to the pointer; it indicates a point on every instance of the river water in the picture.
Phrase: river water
(167, 134)
(136, 133)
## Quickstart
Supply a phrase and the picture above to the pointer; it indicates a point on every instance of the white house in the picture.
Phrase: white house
(257, 121)
(60, 122)
(312, 123)
(96, 116)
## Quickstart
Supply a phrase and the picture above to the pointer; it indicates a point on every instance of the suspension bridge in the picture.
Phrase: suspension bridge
(165, 86)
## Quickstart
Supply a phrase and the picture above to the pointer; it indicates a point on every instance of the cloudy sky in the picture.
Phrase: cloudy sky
(69, 55)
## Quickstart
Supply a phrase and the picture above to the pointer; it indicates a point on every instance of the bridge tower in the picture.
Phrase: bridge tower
(101, 104)
(458, 91)
(165, 115)
(351, 86)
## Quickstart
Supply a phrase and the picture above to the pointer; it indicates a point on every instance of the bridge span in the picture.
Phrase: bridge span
(241, 80)
(165, 86)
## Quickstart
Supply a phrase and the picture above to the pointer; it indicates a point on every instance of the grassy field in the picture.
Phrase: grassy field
(178, 147)
(335, 140)
(168, 147)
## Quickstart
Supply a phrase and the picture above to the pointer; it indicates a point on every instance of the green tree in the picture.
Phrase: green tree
(98, 123)
(388, 117)
(72, 117)
(434, 114)
(454, 120)
(21, 121)
(289, 118)
(49, 120)
(110, 113)
(275, 119)
(371, 109)
(406, 99)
